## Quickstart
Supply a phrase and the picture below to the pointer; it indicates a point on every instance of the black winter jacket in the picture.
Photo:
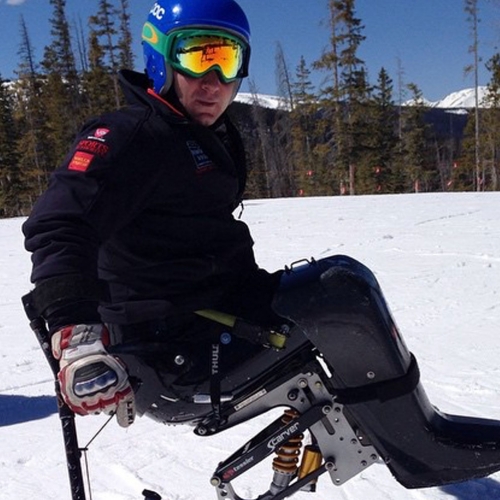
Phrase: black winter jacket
(143, 202)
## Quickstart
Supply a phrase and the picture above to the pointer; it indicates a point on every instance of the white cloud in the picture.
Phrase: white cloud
(15, 2)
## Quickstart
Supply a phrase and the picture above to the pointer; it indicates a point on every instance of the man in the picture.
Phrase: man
(135, 233)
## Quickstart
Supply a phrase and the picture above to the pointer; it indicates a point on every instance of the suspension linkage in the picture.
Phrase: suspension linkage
(225, 491)
(262, 445)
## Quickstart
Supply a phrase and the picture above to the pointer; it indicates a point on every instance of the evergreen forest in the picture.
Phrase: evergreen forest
(349, 137)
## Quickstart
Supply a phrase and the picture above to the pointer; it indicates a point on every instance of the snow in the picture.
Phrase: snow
(459, 101)
(437, 258)
(462, 99)
(264, 100)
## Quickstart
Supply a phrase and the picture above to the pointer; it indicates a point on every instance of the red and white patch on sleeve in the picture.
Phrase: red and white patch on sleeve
(81, 161)
(101, 132)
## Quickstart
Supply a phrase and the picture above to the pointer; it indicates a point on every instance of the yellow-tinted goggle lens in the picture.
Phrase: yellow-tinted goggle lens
(198, 54)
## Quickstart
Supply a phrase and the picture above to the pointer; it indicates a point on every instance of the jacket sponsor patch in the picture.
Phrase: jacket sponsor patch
(101, 132)
(98, 148)
(81, 161)
(202, 161)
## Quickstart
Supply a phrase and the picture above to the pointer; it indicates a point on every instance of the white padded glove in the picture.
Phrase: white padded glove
(92, 380)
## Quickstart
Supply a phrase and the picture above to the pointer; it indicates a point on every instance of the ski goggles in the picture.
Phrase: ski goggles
(195, 52)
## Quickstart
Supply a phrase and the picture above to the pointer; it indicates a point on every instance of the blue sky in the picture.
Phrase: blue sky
(427, 39)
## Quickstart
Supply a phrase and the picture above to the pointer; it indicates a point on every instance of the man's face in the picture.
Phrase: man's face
(204, 98)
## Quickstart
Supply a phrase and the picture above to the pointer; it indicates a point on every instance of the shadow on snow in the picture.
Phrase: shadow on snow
(480, 489)
(18, 409)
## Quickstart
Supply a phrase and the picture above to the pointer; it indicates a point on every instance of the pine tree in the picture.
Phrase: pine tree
(59, 58)
(282, 127)
(82, 48)
(98, 82)
(304, 133)
(463, 176)
(491, 126)
(383, 138)
(263, 152)
(10, 182)
(110, 50)
(358, 129)
(346, 97)
(34, 149)
(104, 33)
(416, 165)
(472, 10)
(126, 55)
(61, 90)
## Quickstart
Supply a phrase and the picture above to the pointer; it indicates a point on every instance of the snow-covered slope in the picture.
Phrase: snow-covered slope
(437, 258)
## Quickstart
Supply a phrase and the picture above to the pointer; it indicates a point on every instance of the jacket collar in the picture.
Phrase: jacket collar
(136, 89)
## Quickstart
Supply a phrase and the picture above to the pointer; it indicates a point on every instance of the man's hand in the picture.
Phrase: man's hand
(91, 379)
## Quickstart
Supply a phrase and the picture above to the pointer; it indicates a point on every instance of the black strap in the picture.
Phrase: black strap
(382, 391)
(218, 352)
(51, 292)
(215, 377)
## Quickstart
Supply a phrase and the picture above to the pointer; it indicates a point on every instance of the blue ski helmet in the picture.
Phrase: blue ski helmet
(169, 16)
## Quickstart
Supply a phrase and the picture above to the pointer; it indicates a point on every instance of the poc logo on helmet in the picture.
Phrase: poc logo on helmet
(158, 11)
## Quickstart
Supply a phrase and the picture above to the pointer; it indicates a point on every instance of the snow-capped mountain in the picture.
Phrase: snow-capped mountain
(264, 100)
(460, 100)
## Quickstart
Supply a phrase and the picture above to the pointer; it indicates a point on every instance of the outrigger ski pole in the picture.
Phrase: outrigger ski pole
(66, 415)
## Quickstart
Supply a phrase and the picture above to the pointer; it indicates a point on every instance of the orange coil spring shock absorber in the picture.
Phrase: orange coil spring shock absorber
(287, 457)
